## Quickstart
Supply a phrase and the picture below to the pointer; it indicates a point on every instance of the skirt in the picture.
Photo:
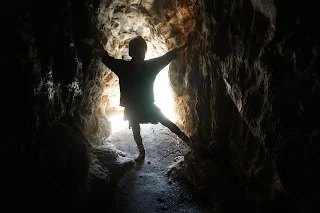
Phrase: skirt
(142, 113)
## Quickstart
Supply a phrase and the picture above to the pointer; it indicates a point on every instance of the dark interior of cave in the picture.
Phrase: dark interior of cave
(246, 90)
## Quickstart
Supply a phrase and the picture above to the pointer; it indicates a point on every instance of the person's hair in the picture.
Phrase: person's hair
(137, 43)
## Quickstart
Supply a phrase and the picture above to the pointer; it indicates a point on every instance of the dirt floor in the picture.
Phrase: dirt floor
(147, 188)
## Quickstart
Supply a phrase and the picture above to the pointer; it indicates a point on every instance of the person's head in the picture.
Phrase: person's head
(138, 48)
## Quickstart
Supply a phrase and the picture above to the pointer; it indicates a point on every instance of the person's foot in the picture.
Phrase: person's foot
(139, 158)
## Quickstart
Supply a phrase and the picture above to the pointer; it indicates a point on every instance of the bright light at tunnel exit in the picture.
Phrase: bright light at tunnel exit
(162, 93)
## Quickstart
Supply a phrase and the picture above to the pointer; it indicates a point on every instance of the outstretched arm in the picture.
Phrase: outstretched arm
(111, 62)
(162, 61)
(115, 65)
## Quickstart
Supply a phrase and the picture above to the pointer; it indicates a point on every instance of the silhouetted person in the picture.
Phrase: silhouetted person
(136, 79)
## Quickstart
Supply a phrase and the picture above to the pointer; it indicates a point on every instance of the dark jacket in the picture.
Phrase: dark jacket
(136, 80)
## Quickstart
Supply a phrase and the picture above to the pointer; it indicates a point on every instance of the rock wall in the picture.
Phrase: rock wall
(246, 89)
(270, 66)
(51, 89)
(228, 164)
(262, 58)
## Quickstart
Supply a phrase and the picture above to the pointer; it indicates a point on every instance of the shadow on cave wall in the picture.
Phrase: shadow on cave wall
(50, 85)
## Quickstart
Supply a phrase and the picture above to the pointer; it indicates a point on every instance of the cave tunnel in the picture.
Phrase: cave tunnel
(246, 90)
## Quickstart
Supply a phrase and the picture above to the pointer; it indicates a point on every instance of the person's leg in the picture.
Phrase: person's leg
(166, 122)
(174, 128)
(137, 138)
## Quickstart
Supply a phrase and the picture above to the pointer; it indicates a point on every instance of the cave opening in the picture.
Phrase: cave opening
(120, 22)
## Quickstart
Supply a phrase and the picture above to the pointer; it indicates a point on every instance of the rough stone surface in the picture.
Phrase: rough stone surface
(267, 54)
(246, 90)
(53, 117)
(264, 55)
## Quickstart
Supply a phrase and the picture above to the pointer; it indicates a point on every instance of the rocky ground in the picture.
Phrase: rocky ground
(147, 187)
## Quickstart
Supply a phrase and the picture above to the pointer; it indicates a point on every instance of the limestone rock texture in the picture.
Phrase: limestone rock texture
(246, 91)
(257, 100)
(267, 55)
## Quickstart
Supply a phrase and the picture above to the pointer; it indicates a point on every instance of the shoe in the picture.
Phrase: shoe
(140, 157)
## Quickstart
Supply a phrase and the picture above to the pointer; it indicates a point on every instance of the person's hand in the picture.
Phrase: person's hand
(98, 52)
(175, 52)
